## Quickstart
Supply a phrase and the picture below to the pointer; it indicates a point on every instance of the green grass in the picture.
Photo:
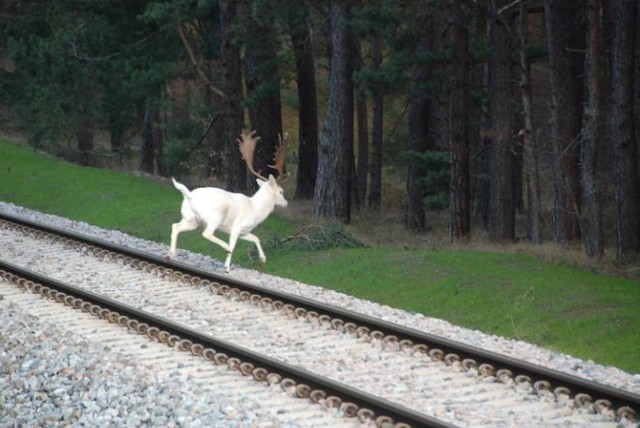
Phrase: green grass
(567, 309)
(562, 308)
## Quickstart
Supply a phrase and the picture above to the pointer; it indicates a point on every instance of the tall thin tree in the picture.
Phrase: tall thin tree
(262, 81)
(332, 197)
(301, 40)
(501, 225)
(362, 117)
(626, 181)
(591, 135)
(419, 138)
(530, 147)
(232, 98)
(565, 38)
(459, 206)
(377, 124)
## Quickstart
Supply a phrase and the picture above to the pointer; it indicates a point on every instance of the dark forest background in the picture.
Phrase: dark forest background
(517, 117)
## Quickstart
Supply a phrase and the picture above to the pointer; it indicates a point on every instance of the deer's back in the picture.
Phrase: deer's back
(210, 205)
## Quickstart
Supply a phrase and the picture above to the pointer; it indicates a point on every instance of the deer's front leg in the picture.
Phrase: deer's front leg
(253, 238)
(233, 239)
(227, 263)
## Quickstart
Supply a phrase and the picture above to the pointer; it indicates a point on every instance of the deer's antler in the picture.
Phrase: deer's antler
(279, 158)
(247, 145)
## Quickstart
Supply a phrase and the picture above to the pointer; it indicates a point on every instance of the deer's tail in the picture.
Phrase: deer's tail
(182, 188)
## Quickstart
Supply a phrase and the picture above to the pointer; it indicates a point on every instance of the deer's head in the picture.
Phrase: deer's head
(274, 189)
(247, 145)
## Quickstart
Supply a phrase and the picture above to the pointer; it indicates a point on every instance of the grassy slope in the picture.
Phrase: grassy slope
(563, 308)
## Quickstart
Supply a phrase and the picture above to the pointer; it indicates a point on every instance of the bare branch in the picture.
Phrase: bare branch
(197, 64)
(508, 6)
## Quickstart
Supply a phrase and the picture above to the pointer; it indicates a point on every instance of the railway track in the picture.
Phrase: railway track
(424, 380)
(192, 389)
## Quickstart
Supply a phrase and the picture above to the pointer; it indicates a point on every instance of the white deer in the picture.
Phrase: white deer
(232, 213)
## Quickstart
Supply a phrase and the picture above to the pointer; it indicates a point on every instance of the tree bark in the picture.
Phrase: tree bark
(362, 166)
(479, 141)
(262, 82)
(152, 145)
(215, 139)
(84, 137)
(637, 87)
(501, 198)
(591, 134)
(332, 197)
(565, 36)
(419, 131)
(626, 181)
(235, 176)
(117, 125)
(147, 149)
(459, 209)
(307, 100)
(415, 218)
(377, 119)
(530, 147)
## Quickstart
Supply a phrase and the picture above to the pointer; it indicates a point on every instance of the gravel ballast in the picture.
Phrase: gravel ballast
(28, 345)
(51, 378)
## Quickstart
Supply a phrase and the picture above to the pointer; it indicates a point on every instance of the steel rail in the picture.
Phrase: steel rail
(379, 406)
(576, 385)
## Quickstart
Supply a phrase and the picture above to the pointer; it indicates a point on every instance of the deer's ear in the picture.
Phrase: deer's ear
(260, 182)
(272, 180)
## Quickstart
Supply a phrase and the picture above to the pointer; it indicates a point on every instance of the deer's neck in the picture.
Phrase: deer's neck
(263, 204)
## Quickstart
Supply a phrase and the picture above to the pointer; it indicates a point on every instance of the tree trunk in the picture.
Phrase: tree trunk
(501, 199)
(419, 130)
(626, 182)
(84, 136)
(262, 82)
(375, 186)
(415, 218)
(361, 169)
(232, 98)
(637, 88)
(158, 139)
(478, 139)
(117, 127)
(565, 36)
(332, 196)
(214, 139)
(529, 144)
(307, 100)
(147, 149)
(591, 132)
(459, 210)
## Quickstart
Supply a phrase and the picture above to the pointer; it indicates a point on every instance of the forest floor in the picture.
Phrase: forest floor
(386, 229)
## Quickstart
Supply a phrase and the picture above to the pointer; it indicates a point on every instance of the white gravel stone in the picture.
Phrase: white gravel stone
(27, 346)
(52, 378)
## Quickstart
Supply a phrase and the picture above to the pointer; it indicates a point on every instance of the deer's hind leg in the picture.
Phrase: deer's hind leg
(184, 225)
(207, 233)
